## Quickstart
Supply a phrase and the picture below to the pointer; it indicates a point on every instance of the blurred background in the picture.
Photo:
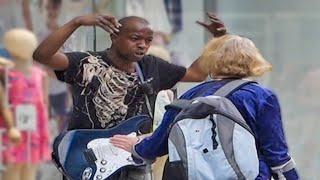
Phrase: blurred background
(285, 31)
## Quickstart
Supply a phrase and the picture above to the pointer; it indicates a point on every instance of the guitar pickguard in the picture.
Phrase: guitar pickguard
(108, 157)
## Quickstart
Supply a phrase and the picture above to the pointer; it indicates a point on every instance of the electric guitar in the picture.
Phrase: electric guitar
(86, 154)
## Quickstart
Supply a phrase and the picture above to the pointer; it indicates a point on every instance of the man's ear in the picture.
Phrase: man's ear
(113, 37)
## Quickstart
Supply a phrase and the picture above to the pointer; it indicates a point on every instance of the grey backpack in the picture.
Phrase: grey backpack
(209, 139)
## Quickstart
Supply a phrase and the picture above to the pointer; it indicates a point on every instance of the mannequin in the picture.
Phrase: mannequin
(27, 89)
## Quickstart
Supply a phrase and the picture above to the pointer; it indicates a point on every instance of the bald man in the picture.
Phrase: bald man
(105, 84)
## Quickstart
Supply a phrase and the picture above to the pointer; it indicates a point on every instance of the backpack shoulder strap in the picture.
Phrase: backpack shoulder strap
(139, 72)
(231, 87)
(178, 104)
(224, 91)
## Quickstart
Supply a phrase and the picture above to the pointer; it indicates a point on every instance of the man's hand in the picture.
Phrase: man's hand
(216, 26)
(108, 23)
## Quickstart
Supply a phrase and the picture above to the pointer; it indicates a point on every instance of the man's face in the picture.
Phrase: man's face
(133, 40)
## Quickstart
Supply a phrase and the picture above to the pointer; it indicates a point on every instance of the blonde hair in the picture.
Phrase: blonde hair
(20, 43)
(233, 56)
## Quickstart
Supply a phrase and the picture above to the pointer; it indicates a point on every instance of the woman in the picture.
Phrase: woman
(224, 58)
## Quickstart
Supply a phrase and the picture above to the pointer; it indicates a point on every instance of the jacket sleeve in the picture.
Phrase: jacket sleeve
(157, 144)
(272, 142)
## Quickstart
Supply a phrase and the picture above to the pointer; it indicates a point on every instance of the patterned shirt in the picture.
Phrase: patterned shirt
(103, 95)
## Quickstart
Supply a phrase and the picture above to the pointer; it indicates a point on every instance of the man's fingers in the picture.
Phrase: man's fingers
(218, 23)
(114, 21)
(215, 20)
(221, 29)
(202, 23)
(212, 15)
(106, 28)
(109, 24)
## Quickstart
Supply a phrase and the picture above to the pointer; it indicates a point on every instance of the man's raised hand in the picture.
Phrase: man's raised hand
(216, 26)
(106, 22)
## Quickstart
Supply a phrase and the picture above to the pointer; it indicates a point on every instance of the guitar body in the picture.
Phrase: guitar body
(86, 154)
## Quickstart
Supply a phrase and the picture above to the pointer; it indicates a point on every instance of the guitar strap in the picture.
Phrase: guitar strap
(147, 88)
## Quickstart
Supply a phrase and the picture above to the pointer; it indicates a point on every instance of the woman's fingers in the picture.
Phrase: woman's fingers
(122, 141)
(118, 138)
(121, 145)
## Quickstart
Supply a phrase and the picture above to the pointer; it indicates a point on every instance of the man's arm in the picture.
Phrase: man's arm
(47, 52)
(217, 28)
(194, 73)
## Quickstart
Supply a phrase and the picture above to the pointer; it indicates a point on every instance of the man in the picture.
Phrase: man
(105, 85)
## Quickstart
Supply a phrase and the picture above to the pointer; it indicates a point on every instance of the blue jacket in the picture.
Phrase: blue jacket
(260, 108)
